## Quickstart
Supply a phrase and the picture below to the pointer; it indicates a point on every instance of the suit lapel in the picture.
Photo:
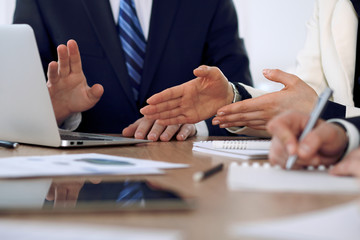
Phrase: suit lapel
(344, 32)
(100, 15)
(162, 17)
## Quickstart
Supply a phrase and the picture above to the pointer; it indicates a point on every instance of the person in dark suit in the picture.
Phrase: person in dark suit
(180, 35)
(328, 143)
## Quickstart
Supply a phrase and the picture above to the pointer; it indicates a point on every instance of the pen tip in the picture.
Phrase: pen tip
(198, 176)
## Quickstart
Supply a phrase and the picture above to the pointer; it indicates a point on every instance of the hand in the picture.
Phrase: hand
(256, 112)
(67, 84)
(349, 166)
(324, 145)
(152, 130)
(192, 101)
(65, 194)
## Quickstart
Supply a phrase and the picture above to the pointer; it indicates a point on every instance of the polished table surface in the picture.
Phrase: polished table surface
(216, 206)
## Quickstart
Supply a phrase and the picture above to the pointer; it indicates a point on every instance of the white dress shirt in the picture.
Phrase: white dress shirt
(143, 10)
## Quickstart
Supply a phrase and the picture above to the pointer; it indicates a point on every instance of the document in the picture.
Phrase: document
(80, 164)
(256, 177)
(35, 230)
(341, 222)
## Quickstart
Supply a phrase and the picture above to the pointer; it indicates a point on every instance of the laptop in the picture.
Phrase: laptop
(26, 113)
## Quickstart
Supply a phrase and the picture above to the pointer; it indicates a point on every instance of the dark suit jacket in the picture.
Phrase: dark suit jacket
(183, 35)
(355, 121)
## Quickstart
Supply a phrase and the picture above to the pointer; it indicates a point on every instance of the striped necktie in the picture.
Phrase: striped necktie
(133, 43)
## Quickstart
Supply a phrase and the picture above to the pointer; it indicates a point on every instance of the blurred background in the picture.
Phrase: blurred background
(274, 31)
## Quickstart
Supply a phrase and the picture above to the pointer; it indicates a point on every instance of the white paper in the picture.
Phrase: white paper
(341, 222)
(257, 178)
(80, 164)
(35, 230)
(244, 154)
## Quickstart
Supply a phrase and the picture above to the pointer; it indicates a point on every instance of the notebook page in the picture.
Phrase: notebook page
(246, 177)
(242, 144)
(244, 154)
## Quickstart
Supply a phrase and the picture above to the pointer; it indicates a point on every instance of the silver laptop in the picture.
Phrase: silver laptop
(26, 113)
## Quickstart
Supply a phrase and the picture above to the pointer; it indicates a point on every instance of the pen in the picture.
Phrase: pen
(8, 144)
(315, 114)
(198, 176)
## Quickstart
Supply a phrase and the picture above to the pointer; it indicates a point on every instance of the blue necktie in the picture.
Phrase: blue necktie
(133, 43)
(131, 194)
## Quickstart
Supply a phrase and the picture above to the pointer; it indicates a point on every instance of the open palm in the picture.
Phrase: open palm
(67, 84)
(192, 101)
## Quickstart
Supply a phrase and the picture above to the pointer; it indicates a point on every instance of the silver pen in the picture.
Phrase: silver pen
(315, 115)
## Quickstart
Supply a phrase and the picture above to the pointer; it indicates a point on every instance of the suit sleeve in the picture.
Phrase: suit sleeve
(224, 48)
(28, 12)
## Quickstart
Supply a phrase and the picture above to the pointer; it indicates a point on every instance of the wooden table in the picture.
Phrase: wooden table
(217, 207)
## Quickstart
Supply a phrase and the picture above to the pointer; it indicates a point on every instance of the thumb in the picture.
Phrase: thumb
(95, 92)
(279, 76)
(206, 71)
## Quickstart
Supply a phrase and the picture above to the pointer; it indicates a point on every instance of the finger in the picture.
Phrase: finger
(51, 193)
(131, 129)
(326, 140)
(73, 192)
(169, 132)
(74, 57)
(166, 115)
(241, 117)
(279, 76)
(349, 166)
(245, 106)
(166, 95)
(286, 130)
(60, 193)
(186, 130)
(278, 153)
(53, 76)
(154, 131)
(95, 92)
(205, 71)
(63, 60)
(161, 107)
(252, 123)
(308, 148)
(172, 121)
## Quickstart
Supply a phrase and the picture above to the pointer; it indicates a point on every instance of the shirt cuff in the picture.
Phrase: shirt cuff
(201, 129)
(351, 131)
(72, 122)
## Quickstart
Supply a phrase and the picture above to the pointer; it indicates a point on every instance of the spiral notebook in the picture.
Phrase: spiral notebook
(240, 149)
(263, 177)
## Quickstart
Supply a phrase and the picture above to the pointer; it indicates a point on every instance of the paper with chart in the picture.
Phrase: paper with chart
(80, 164)
(256, 177)
(341, 222)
